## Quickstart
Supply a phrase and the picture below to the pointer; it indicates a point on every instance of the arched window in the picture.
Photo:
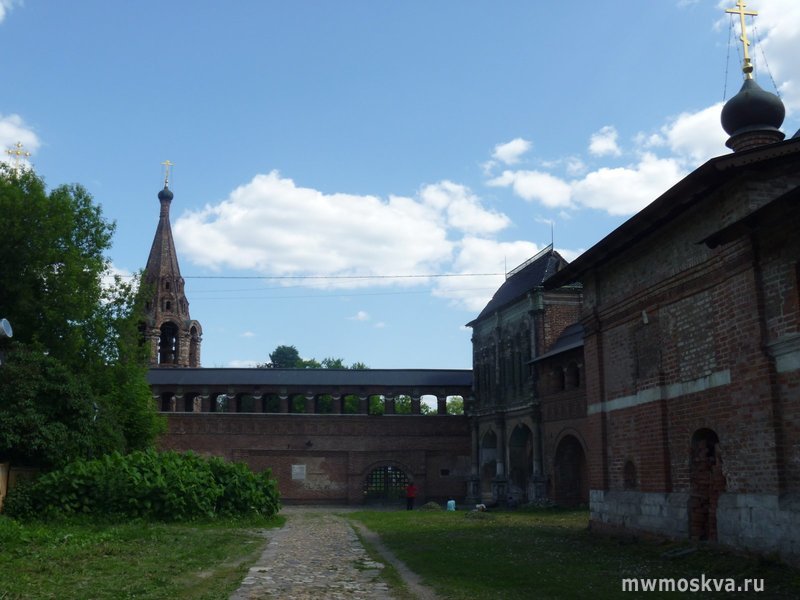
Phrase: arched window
(168, 344)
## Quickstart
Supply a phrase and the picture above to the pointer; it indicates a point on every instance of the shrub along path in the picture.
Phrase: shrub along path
(317, 554)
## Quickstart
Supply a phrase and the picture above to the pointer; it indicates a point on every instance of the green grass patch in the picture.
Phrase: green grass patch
(550, 553)
(133, 560)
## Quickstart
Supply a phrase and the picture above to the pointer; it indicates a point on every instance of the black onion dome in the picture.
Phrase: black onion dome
(165, 194)
(752, 109)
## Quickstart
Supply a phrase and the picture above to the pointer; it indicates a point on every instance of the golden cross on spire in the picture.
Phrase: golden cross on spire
(18, 153)
(747, 68)
(167, 164)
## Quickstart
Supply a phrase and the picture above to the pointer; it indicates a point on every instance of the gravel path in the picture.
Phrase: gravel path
(317, 554)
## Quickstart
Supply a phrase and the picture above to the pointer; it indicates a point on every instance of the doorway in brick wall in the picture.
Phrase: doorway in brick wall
(570, 474)
(385, 485)
(707, 482)
(520, 462)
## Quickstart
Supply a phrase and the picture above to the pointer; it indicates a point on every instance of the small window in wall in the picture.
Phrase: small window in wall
(629, 476)
(169, 305)
(166, 284)
(559, 379)
(573, 376)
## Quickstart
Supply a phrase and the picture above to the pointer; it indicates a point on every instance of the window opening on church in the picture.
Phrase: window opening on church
(169, 305)
(168, 344)
(167, 402)
(219, 404)
(272, 403)
(707, 482)
(246, 404)
(559, 379)
(385, 485)
(573, 376)
(629, 476)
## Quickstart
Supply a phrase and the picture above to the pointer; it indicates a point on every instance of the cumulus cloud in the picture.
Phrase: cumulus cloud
(486, 261)
(537, 186)
(626, 190)
(461, 209)
(248, 334)
(360, 316)
(510, 153)
(277, 228)
(604, 142)
(778, 24)
(694, 137)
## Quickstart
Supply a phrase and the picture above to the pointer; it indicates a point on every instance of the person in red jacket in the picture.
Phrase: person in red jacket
(411, 494)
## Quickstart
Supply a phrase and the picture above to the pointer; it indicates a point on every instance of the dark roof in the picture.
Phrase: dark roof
(311, 377)
(162, 260)
(679, 198)
(571, 337)
(529, 275)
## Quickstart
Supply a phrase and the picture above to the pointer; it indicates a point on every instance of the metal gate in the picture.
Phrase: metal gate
(385, 485)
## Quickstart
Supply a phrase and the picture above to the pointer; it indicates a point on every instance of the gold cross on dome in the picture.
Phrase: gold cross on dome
(18, 153)
(167, 164)
(740, 10)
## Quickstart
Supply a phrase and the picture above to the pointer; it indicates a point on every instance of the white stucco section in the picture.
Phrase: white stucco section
(663, 392)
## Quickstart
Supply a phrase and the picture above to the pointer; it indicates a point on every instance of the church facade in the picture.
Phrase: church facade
(691, 313)
(518, 420)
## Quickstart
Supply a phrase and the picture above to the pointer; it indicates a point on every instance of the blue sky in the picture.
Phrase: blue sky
(322, 147)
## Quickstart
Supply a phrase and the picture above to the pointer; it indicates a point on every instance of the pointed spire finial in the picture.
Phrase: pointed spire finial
(747, 67)
(18, 154)
(167, 164)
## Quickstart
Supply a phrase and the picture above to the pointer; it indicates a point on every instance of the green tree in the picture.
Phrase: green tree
(455, 405)
(288, 357)
(53, 255)
(283, 357)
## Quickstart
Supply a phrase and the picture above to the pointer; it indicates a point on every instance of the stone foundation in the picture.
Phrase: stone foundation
(659, 513)
(762, 523)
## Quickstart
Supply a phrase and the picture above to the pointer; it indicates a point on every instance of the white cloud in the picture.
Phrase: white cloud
(462, 209)
(626, 190)
(248, 334)
(695, 137)
(491, 259)
(510, 153)
(275, 227)
(360, 316)
(778, 24)
(536, 186)
(604, 142)
(243, 364)
(5, 7)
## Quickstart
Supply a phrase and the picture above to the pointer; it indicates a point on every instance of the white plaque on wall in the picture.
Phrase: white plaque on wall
(298, 472)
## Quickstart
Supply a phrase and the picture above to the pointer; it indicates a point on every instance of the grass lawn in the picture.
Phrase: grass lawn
(550, 554)
(135, 560)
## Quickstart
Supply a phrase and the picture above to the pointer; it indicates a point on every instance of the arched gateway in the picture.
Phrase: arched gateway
(300, 423)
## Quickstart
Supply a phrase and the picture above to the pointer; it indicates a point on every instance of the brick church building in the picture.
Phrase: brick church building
(670, 403)
(691, 347)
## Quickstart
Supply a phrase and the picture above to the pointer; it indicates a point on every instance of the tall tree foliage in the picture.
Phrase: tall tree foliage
(52, 260)
(288, 357)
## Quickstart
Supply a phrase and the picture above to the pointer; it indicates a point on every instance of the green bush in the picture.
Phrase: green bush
(162, 486)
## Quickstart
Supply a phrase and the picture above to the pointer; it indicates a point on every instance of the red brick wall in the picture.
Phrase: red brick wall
(338, 451)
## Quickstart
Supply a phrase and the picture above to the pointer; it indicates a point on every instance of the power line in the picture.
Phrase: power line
(436, 275)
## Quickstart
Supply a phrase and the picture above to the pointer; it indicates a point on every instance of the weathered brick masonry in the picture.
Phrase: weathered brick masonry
(692, 354)
(328, 458)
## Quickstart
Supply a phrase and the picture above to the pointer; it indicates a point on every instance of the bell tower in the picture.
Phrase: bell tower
(172, 336)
